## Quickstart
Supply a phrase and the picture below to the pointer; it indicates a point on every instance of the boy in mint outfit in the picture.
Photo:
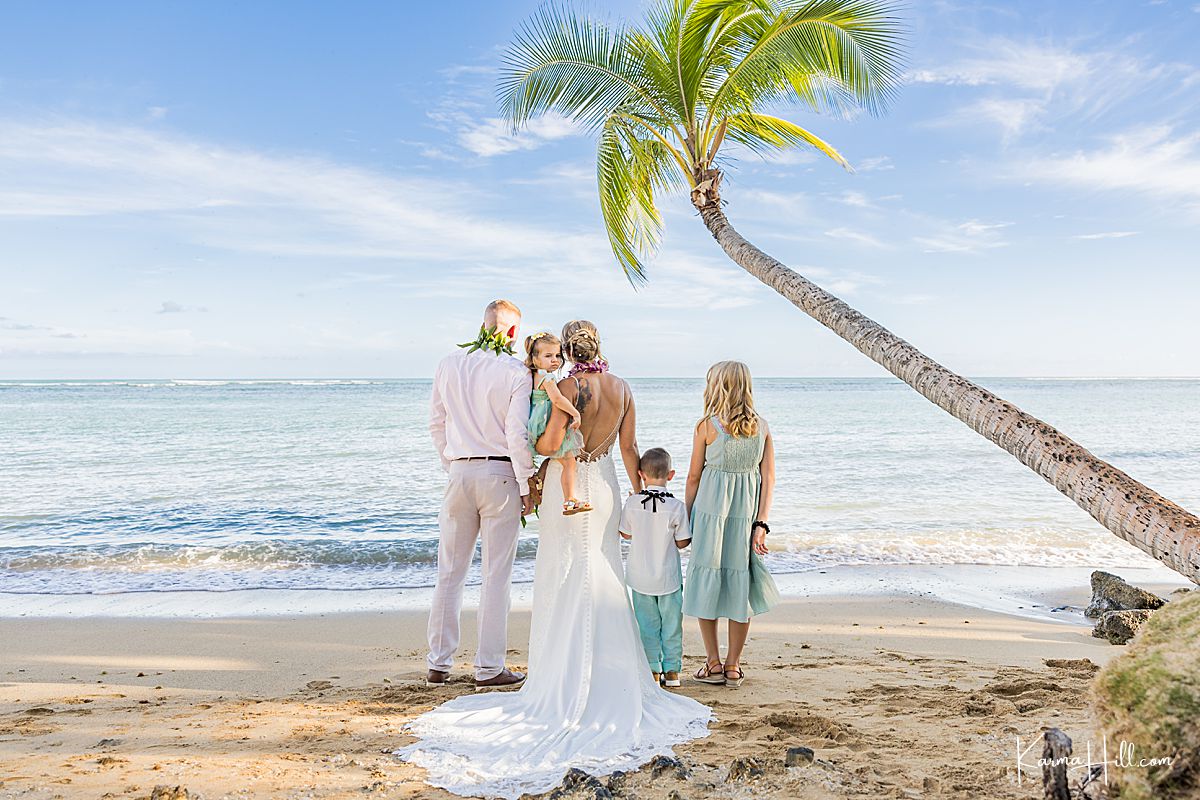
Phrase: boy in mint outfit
(655, 523)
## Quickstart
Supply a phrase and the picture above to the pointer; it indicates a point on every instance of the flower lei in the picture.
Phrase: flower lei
(493, 340)
(599, 365)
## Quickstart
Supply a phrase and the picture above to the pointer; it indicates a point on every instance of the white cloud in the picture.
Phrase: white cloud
(156, 112)
(787, 158)
(974, 227)
(852, 235)
(971, 236)
(1151, 160)
(1106, 235)
(171, 307)
(773, 206)
(1026, 65)
(877, 163)
(493, 136)
(911, 299)
(856, 199)
(1028, 84)
(1011, 116)
(250, 201)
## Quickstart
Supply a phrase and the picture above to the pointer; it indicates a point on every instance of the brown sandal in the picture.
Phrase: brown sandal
(713, 677)
(734, 682)
(571, 507)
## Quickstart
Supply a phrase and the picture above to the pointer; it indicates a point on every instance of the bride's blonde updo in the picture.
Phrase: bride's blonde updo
(729, 396)
(581, 342)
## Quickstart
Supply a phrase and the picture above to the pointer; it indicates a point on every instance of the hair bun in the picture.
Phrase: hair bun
(581, 341)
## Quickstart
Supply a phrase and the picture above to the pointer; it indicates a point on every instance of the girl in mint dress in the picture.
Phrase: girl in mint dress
(729, 489)
(543, 356)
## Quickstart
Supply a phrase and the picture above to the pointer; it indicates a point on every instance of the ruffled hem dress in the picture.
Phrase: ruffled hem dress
(725, 578)
(540, 409)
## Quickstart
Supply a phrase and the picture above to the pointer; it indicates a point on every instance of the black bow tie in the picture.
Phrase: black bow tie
(652, 496)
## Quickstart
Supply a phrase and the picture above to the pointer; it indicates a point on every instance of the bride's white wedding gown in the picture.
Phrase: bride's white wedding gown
(589, 701)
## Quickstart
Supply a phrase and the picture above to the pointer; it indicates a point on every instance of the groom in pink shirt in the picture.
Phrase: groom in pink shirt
(479, 414)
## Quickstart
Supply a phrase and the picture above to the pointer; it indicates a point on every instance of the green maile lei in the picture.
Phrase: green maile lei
(492, 340)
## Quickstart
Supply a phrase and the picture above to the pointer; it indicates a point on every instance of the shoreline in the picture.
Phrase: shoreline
(1042, 592)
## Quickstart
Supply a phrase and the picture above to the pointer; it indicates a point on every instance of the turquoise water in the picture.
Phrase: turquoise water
(157, 486)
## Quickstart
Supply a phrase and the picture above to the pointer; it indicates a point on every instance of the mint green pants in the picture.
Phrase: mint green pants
(660, 620)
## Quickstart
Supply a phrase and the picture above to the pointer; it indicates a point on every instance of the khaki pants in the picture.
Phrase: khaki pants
(482, 499)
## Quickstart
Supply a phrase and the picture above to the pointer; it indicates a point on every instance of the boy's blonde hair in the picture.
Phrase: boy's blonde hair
(729, 396)
(533, 341)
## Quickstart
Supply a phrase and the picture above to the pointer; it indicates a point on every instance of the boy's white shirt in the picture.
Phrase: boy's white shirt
(652, 565)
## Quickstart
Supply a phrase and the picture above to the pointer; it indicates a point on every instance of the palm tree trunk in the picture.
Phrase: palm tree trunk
(1132, 511)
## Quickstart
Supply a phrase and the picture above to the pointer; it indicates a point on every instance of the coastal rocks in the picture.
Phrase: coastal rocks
(665, 765)
(164, 792)
(745, 769)
(1120, 608)
(577, 784)
(1118, 627)
(1111, 593)
(617, 782)
(799, 757)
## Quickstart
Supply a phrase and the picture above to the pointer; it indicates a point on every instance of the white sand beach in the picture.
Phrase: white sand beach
(904, 691)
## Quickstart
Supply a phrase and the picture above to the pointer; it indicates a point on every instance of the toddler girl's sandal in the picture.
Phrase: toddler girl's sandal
(572, 507)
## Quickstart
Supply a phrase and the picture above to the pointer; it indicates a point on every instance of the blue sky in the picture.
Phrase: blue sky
(318, 189)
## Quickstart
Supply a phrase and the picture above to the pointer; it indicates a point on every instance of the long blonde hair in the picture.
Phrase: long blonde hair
(729, 396)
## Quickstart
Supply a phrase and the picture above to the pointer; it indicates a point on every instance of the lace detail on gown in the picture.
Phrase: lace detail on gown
(589, 701)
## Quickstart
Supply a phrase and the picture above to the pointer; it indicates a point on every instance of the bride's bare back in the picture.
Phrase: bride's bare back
(606, 410)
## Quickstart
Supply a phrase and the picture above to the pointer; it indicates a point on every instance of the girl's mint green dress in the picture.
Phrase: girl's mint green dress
(540, 409)
(724, 577)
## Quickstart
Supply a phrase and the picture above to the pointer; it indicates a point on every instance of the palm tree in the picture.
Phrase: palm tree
(664, 98)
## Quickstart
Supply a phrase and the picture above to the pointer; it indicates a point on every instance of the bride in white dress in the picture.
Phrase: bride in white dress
(589, 701)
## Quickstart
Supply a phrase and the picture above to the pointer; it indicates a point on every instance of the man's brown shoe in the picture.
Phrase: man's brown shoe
(436, 678)
(505, 680)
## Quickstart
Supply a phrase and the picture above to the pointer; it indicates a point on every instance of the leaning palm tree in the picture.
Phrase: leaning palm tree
(664, 98)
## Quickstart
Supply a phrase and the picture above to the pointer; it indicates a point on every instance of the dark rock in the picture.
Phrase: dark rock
(164, 792)
(1110, 593)
(317, 686)
(617, 782)
(662, 765)
(675, 795)
(1118, 627)
(578, 784)
(799, 757)
(930, 784)
(745, 769)
(107, 743)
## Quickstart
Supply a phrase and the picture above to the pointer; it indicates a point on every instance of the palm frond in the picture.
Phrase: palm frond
(561, 62)
(828, 54)
(763, 133)
(631, 168)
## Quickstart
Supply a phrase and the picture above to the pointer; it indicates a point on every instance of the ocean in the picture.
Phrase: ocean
(110, 487)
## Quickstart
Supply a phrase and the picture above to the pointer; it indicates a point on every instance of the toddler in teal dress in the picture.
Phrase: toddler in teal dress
(543, 356)
(729, 489)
